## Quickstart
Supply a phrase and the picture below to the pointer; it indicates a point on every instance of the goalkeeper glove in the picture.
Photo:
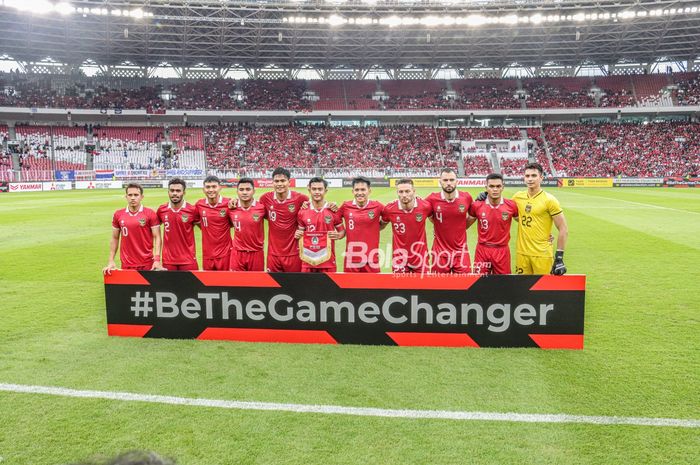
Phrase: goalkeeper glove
(481, 197)
(558, 268)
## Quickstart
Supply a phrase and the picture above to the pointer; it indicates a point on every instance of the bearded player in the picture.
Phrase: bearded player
(450, 212)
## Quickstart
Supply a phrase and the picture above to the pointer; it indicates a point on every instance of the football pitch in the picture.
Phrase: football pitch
(639, 248)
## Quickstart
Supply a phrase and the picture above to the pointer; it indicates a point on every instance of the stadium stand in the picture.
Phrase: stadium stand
(658, 149)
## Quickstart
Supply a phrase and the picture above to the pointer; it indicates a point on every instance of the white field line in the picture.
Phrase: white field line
(646, 205)
(356, 411)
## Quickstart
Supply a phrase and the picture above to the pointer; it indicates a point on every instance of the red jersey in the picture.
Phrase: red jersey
(362, 226)
(408, 236)
(282, 222)
(216, 228)
(136, 245)
(450, 220)
(494, 221)
(248, 227)
(316, 225)
(178, 233)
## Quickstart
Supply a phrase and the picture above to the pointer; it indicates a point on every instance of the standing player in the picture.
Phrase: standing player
(450, 211)
(538, 210)
(282, 206)
(215, 225)
(362, 225)
(494, 216)
(137, 227)
(178, 218)
(318, 229)
(408, 215)
(249, 229)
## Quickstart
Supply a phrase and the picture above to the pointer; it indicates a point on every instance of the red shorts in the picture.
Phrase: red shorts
(492, 260)
(305, 268)
(216, 264)
(289, 264)
(451, 261)
(186, 267)
(244, 260)
(142, 267)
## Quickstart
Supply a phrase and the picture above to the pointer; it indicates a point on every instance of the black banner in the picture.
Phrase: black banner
(4, 186)
(384, 309)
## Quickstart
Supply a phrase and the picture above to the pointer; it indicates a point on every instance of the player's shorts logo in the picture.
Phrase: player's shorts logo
(222, 212)
(142, 221)
(419, 217)
(327, 219)
(291, 208)
(370, 214)
(528, 208)
(185, 217)
(504, 216)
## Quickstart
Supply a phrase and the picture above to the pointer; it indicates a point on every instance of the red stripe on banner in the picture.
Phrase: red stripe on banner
(570, 282)
(126, 277)
(296, 336)
(236, 278)
(128, 330)
(390, 281)
(558, 341)
(432, 339)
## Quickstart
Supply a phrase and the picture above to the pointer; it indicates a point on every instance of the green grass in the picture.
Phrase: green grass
(639, 248)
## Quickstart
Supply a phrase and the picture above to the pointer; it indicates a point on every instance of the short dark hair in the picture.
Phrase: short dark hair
(246, 181)
(134, 185)
(212, 178)
(494, 176)
(178, 181)
(283, 171)
(534, 166)
(317, 179)
(447, 169)
(404, 181)
(361, 179)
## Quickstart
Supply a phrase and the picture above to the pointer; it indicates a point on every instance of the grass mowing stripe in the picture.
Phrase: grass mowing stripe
(356, 411)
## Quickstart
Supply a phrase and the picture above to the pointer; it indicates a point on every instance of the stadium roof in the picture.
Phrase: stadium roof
(355, 34)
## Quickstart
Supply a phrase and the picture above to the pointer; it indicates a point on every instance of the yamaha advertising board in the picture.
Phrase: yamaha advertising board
(354, 308)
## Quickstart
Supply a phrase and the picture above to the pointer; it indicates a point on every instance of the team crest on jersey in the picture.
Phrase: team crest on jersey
(291, 208)
(142, 221)
(256, 217)
(327, 219)
(370, 214)
(462, 208)
(185, 217)
(504, 216)
(419, 217)
(528, 208)
(222, 212)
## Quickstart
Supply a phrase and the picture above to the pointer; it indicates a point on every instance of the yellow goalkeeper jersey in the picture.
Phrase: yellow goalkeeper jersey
(535, 222)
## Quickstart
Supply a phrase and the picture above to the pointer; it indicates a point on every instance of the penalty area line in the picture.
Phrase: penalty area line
(355, 411)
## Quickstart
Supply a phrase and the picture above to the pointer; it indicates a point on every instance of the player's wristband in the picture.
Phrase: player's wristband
(156, 258)
(559, 255)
